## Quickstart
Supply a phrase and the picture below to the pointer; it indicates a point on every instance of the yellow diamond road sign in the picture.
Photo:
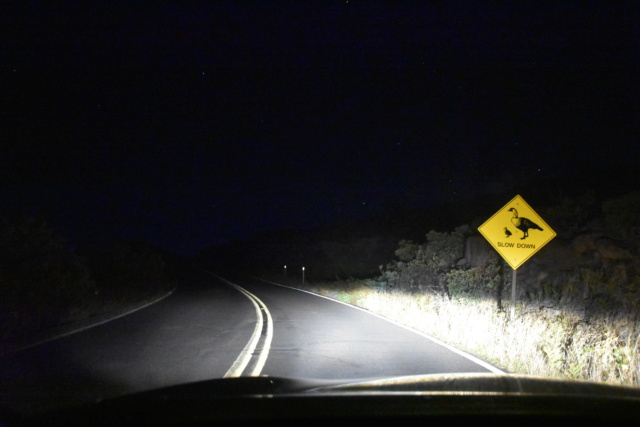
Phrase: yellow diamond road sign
(516, 232)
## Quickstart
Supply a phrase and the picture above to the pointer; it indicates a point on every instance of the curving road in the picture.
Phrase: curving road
(316, 337)
(220, 327)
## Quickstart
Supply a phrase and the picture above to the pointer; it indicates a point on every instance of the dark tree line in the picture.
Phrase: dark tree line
(44, 282)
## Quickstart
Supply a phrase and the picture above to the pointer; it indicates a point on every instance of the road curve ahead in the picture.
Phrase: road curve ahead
(315, 337)
(214, 327)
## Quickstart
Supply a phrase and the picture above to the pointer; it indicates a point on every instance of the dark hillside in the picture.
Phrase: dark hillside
(571, 203)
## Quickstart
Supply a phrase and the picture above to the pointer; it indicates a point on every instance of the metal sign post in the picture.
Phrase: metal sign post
(513, 294)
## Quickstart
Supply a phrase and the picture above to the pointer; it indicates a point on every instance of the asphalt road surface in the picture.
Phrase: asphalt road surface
(215, 328)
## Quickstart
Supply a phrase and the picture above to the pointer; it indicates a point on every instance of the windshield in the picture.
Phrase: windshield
(339, 190)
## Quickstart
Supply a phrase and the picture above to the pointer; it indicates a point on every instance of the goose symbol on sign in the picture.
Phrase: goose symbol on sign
(522, 224)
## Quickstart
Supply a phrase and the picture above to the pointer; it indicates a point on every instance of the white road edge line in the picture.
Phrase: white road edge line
(246, 354)
(429, 337)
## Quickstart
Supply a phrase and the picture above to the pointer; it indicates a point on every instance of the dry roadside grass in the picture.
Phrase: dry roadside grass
(536, 342)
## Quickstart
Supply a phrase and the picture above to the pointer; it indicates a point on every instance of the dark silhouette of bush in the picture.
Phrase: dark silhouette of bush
(45, 284)
(622, 216)
(42, 281)
(424, 267)
(124, 269)
(407, 250)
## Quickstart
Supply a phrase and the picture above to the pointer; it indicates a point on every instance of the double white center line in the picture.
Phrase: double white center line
(252, 354)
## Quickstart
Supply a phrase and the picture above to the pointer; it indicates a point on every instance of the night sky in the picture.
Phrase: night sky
(190, 124)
